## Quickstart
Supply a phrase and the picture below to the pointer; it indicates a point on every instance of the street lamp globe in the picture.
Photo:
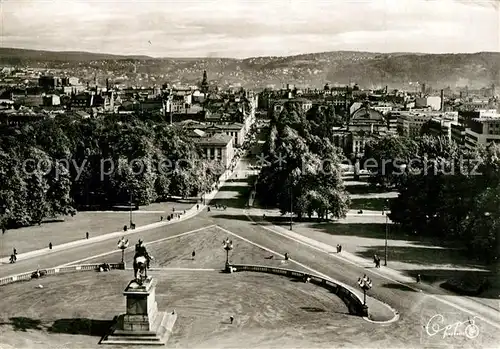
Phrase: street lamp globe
(365, 284)
(228, 246)
(122, 245)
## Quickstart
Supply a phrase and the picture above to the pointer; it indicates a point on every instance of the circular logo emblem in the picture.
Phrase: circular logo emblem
(472, 331)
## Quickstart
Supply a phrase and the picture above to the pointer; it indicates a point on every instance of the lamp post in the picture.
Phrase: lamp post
(365, 284)
(386, 208)
(291, 208)
(228, 246)
(122, 245)
(131, 197)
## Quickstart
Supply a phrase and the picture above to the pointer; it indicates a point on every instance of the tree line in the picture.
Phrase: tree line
(445, 191)
(55, 166)
(302, 173)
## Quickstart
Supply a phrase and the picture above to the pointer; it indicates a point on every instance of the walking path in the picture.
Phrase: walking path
(489, 309)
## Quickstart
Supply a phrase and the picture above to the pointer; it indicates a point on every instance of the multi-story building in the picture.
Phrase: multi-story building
(429, 101)
(235, 130)
(364, 125)
(51, 100)
(482, 131)
(410, 123)
(441, 127)
(218, 147)
(458, 133)
(49, 82)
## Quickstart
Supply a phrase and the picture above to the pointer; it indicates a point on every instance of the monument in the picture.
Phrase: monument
(142, 324)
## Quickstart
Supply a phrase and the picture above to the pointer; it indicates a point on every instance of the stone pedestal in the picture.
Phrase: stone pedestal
(143, 324)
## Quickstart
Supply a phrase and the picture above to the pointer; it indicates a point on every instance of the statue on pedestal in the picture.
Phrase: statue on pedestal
(141, 262)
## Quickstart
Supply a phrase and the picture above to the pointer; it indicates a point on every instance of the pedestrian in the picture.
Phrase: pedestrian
(87, 235)
(197, 206)
(208, 208)
(3, 230)
(50, 245)
(286, 256)
(375, 260)
(340, 248)
(173, 209)
(161, 218)
(337, 248)
(231, 318)
(418, 278)
(15, 251)
(193, 254)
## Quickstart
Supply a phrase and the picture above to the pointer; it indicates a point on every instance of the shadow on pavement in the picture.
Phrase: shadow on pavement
(81, 326)
(365, 189)
(375, 204)
(421, 255)
(23, 324)
(474, 283)
(396, 286)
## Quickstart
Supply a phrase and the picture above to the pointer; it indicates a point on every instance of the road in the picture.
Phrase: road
(414, 307)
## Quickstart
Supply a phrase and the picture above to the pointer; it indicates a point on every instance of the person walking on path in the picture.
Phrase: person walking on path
(197, 206)
(87, 235)
(50, 245)
(231, 318)
(193, 254)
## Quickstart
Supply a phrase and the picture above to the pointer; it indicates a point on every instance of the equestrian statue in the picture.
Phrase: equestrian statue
(141, 262)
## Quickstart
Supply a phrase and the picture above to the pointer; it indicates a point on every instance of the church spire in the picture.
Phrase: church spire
(204, 82)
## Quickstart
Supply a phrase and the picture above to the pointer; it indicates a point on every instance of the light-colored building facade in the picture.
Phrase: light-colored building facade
(482, 131)
(410, 123)
(235, 130)
(218, 147)
(434, 102)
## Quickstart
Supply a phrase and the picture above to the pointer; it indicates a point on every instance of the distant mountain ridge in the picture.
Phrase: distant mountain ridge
(369, 69)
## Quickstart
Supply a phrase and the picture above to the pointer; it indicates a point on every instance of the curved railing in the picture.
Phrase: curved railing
(52, 271)
(353, 302)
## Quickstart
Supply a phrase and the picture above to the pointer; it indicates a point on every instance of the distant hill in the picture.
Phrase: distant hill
(63, 56)
(368, 69)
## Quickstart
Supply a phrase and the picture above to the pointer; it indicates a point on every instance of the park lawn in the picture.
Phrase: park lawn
(375, 204)
(74, 228)
(405, 251)
(75, 310)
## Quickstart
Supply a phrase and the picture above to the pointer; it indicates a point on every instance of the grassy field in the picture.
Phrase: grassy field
(74, 228)
(375, 204)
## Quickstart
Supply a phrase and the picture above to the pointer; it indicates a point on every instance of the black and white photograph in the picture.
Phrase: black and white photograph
(205, 174)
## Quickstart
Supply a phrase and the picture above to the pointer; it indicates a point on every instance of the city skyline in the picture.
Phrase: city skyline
(241, 29)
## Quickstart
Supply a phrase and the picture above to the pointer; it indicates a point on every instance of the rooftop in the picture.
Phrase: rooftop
(217, 139)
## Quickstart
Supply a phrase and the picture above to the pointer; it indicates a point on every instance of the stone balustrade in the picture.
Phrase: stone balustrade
(353, 302)
(59, 270)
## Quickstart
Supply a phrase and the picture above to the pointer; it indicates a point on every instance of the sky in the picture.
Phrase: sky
(249, 28)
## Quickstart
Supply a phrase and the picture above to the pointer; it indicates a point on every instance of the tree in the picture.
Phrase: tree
(387, 158)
